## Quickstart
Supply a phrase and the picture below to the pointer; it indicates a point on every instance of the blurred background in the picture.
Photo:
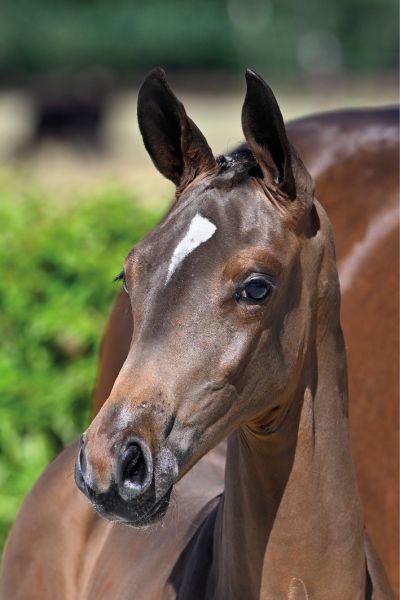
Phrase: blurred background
(77, 189)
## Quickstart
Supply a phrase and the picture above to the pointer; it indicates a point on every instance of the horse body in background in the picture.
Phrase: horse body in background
(289, 524)
(359, 188)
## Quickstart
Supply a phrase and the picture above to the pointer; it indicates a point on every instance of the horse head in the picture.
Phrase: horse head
(225, 292)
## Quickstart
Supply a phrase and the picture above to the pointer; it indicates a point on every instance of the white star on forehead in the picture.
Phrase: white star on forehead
(200, 230)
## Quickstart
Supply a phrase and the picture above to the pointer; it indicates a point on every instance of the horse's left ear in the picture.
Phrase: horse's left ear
(265, 134)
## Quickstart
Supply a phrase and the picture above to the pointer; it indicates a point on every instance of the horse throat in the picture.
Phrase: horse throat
(290, 523)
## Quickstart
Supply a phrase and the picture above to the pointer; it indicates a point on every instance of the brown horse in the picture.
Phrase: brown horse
(236, 310)
(353, 157)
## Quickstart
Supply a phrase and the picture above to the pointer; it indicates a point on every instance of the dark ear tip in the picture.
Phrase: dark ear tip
(252, 76)
(154, 81)
(250, 73)
(256, 84)
(157, 73)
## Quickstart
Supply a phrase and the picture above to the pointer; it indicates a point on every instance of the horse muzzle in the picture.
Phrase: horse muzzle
(139, 490)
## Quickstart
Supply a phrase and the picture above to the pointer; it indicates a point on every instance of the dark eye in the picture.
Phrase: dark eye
(254, 290)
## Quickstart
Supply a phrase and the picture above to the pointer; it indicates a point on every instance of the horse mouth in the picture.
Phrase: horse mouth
(156, 512)
(135, 516)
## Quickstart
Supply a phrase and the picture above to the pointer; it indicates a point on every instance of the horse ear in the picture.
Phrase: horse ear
(176, 146)
(265, 133)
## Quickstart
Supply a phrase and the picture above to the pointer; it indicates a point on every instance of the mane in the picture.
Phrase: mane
(236, 167)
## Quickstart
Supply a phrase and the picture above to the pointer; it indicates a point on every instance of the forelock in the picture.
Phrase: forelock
(235, 168)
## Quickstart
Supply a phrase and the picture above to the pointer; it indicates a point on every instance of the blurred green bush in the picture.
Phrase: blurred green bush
(57, 262)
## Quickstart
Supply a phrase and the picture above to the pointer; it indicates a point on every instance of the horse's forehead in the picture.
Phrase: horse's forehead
(229, 218)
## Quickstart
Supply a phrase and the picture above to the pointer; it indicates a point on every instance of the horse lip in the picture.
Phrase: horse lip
(154, 514)
(164, 498)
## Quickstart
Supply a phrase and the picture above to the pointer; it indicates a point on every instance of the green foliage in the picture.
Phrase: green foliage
(57, 262)
(129, 35)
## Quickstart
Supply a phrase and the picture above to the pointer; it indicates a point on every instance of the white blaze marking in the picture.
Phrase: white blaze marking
(200, 230)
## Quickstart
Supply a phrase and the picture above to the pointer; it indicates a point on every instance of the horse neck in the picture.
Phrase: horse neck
(290, 523)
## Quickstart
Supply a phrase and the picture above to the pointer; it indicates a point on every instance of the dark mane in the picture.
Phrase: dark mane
(236, 167)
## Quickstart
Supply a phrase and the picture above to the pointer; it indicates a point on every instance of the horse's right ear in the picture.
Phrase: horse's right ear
(175, 144)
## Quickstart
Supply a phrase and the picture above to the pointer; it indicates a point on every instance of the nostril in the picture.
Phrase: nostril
(82, 460)
(80, 470)
(135, 470)
(169, 426)
(133, 465)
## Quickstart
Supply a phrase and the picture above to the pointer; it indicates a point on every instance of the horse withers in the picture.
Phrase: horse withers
(235, 302)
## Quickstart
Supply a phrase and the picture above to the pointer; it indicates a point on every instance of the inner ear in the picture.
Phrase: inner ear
(175, 144)
(265, 134)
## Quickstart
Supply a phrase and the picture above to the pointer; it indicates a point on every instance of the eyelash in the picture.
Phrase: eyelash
(121, 277)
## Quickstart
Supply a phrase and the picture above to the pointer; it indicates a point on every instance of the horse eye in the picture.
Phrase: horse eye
(254, 290)
(257, 289)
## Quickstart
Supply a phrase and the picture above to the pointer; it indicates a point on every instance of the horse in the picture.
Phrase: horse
(353, 157)
(235, 305)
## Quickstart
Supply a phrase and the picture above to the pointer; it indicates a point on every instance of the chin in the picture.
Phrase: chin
(138, 517)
